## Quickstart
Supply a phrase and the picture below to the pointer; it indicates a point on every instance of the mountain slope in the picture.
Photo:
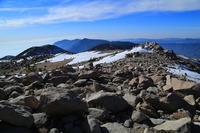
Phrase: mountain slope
(79, 45)
(115, 45)
(8, 57)
(43, 50)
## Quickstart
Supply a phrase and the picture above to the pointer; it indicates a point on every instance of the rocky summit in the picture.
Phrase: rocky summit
(150, 90)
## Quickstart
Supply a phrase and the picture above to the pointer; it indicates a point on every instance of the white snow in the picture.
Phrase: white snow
(20, 75)
(4, 60)
(184, 57)
(77, 58)
(121, 55)
(2, 77)
(20, 60)
(182, 70)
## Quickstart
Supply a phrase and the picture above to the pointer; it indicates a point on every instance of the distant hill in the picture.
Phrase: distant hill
(114, 45)
(189, 47)
(8, 57)
(42, 50)
(79, 45)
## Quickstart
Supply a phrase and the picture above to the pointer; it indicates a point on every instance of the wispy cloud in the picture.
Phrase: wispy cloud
(22, 9)
(99, 9)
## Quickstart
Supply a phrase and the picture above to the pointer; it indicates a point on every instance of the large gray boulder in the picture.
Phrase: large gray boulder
(110, 101)
(55, 101)
(15, 115)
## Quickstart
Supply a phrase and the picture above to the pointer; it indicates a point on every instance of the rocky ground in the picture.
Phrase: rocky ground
(132, 95)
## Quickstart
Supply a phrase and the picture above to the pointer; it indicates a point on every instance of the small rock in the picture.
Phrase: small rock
(113, 128)
(138, 116)
(54, 130)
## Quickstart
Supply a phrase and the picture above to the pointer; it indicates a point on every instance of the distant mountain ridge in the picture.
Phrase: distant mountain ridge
(79, 45)
(41, 50)
(115, 45)
(8, 57)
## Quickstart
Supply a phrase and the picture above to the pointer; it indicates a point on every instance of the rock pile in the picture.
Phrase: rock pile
(134, 94)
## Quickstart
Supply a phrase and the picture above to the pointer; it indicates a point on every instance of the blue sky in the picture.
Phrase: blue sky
(26, 23)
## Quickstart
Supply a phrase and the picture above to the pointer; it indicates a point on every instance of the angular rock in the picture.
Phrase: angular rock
(181, 84)
(138, 116)
(110, 101)
(10, 89)
(40, 119)
(89, 75)
(30, 101)
(56, 101)
(123, 73)
(113, 128)
(148, 110)
(175, 126)
(98, 87)
(58, 80)
(131, 99)
(157, 78)
(80, 82)
(145, 82)
(91, 125)
(134, 82)
(32, 77)
(98, 113)
(190, 100)
(15, 115)
(170, 103)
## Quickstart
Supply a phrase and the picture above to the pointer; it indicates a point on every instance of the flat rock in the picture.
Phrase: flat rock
(113, 128)
(110, 101)
(176, 126)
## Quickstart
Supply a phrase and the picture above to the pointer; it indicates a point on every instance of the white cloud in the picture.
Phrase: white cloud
(101, 9)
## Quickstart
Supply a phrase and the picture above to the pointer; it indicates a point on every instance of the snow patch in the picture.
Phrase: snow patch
(182, 70)
(184, 57)
(2, 77)
(76, 58)
(122, 55)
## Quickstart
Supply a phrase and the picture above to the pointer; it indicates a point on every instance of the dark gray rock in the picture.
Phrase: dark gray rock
(58, 80)
(57, 101)
(15, 115)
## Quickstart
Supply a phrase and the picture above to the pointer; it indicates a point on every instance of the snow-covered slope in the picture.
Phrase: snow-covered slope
(183, 70)
(86, 56)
